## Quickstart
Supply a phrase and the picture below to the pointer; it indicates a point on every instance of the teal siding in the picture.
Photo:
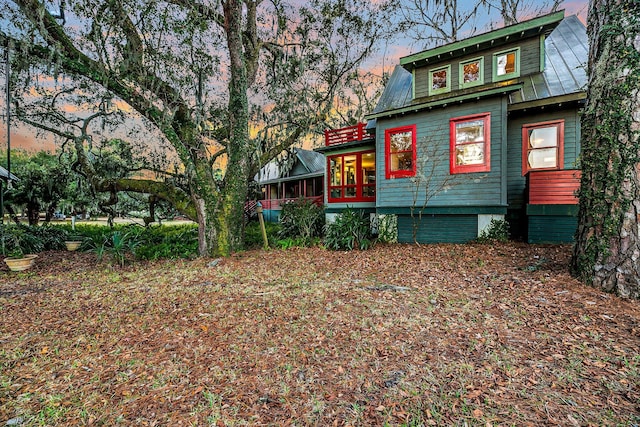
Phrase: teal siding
(529, 64)
(474, 189)
(438, 228)
(552, 228)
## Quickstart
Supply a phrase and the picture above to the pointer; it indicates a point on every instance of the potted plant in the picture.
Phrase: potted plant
(72, 245)
(18, 261)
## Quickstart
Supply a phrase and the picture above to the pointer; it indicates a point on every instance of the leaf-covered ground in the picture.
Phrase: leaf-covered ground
(398, 335)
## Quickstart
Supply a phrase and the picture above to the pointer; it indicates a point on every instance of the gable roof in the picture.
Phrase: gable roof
(307, 164)
(492, 39)
(566, 53)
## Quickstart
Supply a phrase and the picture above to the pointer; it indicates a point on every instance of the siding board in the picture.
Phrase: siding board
(438, 228)
(432, 141)
(552, 229)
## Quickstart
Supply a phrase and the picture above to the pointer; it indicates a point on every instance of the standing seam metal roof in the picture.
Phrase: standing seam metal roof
(566, 53)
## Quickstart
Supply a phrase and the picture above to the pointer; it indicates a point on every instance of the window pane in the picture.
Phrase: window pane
(472, 131)
(369, 168)
(401, 161)
(350, 192)
(439, 79)
(506, 63)
(336, 193)
(470, 154)
(368, 191)
(543, 158)
(543, 137)
(350, 170)
(471, 72)
(401, 141)
(336, 171)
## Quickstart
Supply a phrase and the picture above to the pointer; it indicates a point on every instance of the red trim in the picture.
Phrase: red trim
(486, 165)
(359, 186)
(402, 173)
(553, 187)
(346, 134)
(525, 145)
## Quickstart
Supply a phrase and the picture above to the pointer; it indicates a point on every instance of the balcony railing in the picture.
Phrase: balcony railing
(348, 134)
(553, 187)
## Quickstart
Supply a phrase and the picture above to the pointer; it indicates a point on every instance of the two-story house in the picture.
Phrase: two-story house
(479, 129)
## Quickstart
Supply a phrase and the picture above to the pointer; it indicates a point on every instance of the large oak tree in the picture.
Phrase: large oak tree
(227, 84)
(607, 250)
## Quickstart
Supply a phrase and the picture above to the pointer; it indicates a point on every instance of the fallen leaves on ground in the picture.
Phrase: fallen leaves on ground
(400, 334)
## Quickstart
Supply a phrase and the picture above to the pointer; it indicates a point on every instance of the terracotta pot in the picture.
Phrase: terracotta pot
(72, 245)
(20, 263)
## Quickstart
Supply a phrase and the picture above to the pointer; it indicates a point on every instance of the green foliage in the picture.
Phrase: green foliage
(43, 181)
(388, 228)
(253, 234)
(498, 231)
(151, 243)
(302, 220)
(351, 230)
(23, 239)
(168, 242)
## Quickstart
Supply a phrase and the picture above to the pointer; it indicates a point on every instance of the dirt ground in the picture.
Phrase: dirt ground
(400, 335)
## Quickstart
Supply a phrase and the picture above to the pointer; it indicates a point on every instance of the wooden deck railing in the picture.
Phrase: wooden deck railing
(275, 204)
(344, 135)
(553, 187)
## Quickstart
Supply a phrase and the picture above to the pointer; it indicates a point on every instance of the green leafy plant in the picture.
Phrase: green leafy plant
(350, 230)
(303, 220)
(253, 234)
(498, 231)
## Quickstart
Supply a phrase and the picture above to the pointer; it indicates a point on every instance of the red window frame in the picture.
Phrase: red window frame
(485, 166)
(399, 173)
(559, 124)
(358, 186)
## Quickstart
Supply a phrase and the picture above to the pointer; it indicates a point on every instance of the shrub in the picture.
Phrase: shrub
(253, 234)
(301, 220)
(22, 239)
(351, 230)
(152, 243)
(498, 231)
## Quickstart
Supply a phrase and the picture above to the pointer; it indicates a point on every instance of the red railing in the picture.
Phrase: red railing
(274, 204)
(553, 187)
(344, 135)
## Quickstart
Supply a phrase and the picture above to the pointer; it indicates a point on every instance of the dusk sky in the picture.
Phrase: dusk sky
(385, 60)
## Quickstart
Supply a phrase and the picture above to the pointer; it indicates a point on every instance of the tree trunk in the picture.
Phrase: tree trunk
(33, 212)
(607, 250)
(220, 220)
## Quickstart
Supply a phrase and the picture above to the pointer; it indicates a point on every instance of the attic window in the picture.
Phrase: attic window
(470, 143)
(472, 73)
(506, 64)
(440, 80)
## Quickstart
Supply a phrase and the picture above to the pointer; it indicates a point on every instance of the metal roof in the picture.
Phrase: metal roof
(565, 71)
(307, 164)
(5, 175)
(566, 53)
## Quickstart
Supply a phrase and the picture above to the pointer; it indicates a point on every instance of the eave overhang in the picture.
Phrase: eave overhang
(366, 143)
(557, 101)
(535, 27)
(444, 102)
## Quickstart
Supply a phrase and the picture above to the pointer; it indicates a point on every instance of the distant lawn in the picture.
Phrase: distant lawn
(400, 335)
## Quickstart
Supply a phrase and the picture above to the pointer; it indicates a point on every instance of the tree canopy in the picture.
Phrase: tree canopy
(226, 84)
